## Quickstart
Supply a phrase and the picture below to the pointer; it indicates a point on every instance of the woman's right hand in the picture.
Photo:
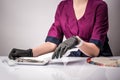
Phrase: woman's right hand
(16, 53)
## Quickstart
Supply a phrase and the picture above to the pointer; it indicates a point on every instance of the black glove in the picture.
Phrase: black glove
(64, 46)
(16, 53)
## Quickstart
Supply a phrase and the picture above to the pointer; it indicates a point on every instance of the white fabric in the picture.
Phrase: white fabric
(76, 69)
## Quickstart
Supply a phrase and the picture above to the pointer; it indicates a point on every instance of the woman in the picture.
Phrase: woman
(83, 22)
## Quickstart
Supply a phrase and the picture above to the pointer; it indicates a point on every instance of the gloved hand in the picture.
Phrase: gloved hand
(16, 53)
(64, 46)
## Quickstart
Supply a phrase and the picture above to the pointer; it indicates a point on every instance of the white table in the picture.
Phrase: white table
(77, 70)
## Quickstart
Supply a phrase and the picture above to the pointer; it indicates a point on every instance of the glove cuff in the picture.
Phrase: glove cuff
(30, 52)
(80, 41)
(77, 41)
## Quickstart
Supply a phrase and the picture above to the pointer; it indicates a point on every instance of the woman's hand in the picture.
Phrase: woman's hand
(16, 53)
(64, 46)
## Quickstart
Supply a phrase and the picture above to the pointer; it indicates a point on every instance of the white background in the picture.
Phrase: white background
(24, 23)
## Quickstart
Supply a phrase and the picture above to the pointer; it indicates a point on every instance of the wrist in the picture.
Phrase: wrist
(80, 42)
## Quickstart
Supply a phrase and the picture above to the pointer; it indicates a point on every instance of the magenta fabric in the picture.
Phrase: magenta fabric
(92, 25)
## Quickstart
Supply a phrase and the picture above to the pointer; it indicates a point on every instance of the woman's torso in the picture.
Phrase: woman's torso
(82, 27)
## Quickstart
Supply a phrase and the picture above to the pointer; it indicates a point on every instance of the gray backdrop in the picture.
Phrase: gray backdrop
(24, 23)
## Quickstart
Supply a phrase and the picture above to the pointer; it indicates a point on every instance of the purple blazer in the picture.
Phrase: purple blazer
(91, 27)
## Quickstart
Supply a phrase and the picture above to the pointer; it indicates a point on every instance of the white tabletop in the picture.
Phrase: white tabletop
(76, 69)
